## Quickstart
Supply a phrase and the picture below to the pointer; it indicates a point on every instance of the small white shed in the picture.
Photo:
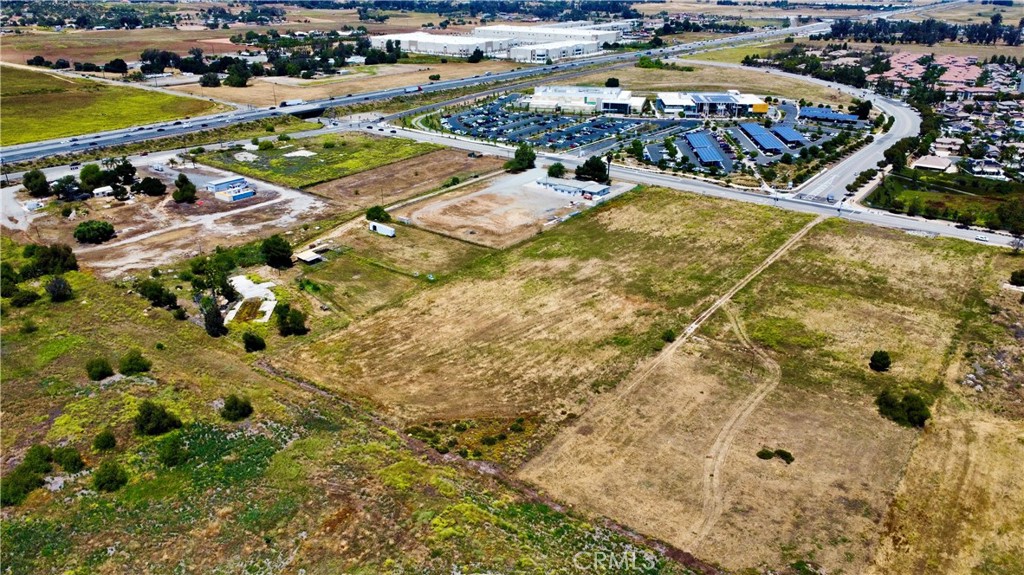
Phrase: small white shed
(103, 192)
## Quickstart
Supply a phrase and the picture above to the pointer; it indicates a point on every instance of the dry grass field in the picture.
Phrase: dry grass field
(811, 321)
(404, 179)
(970, 13)
(711, 79)
(745, 11)
(543, 326)
(735, 55)
(271, 91)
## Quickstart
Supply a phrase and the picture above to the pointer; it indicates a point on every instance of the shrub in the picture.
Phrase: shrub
(785, 456)
(909, 411)
(1017, 278)
(556, 170)
(69, 459)
(133, 362)
(434, 77)
(880, 361)
(154, 419)
(668, 336)
(180, 314)
(489, 440)
(765, 453)
(283, 138)
(94, 232)
(236, 408)
(172, 451)
(109, 476)
(265, 145)
(253, 342)
(59, 289)
(329, 145)
(23, 298)
(460, 426)
(104, 440)
(160, 346)
(28, 326)
(378, 214)
(516, 427)
(290, 321)
(98, 368)
(37, 459)
(17, 485)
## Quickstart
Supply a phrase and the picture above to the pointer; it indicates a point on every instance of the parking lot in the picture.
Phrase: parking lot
(497, 121)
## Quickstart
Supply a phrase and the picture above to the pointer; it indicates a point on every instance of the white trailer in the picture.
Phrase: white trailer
(382, 229)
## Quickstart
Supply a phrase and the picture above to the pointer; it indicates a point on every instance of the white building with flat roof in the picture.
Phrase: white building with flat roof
(541, 53)
(584, 99)
(545, 34)
(444, 44)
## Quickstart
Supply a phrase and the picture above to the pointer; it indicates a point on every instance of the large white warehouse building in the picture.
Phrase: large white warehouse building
(546, 34)
(541, 53)
(444, 45)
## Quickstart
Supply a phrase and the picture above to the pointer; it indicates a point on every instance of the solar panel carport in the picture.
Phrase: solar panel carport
(763, 138)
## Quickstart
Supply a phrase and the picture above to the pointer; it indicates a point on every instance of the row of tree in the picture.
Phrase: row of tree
(927, 32)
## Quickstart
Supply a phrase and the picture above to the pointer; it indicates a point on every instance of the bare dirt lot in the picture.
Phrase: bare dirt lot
(157, 231)
(270, 91)
(507, 211)
(541, 327)
(404, 179)
(674, 455)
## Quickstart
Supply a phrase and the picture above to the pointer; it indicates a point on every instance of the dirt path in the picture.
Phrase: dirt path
(669, 350)
(712, 480)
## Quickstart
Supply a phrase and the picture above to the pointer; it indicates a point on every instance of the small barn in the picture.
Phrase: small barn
(309, 257)
(226, 184)
(382, 229)
(234, 194)
(103, 192)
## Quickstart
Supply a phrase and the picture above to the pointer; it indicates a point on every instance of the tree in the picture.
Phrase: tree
(69, 459)
(524, 159)
(124, 171)
(880, 361)
(238, 75)
(476, 56)
(236, 408)
(65, 188)
(94, 232)
(910, 411)
(172, 451)
(116, 66)
(150, 187)
(213, 321)
(593, 169)
(378, 214)
(186, 190)
(105, 440)
(209, 80)
(59, 289)
(109, 476)
(98, 368)
(290, 321)
(277, 252)
(611, 83)
(154, 419)
(133, 362)
(556, 170)
(1017, 278)
(156, 293)
(92, 177)
(36, 184)
(1011, 216)
(253, 342)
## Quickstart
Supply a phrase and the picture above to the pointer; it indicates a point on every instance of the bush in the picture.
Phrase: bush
(489, 440)
(1017, 278)
(104, 440)
(265, 145)
(69, 459)
(154, 419)
(133, 362)
(253, 342)
(23, 298)
(765, 453)
(785, 456)
(109, 476)
(668, 336)
(94, 232)
(59, 289)
(378, 214)
(911, 411)
(37, 459)
(17, 485)
(236, 408)
(180, 314)
(611, 83)
(99, 368)
(880, 361)
(556, 170)
(290, 321)
(28, 326)
(172, 451)
(283, 138)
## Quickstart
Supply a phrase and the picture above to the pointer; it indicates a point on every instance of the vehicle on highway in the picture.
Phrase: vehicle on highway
(412, 89)
(981, 238)
(294, 102)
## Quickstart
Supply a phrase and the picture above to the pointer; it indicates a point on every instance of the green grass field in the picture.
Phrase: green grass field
(350, 154)
(39, 106)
